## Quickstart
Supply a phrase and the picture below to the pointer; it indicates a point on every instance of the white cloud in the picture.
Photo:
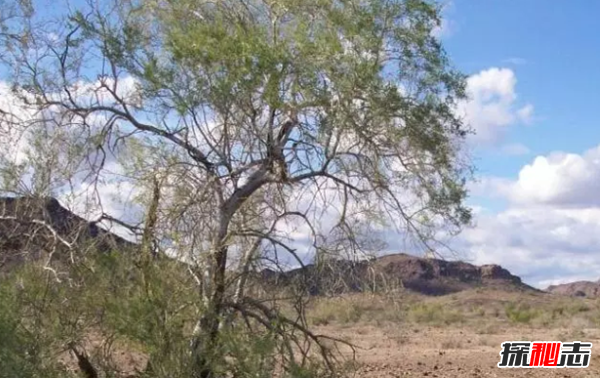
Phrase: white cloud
(525, 114)
(559, 179)
(492, 106)
(493, 82)
(550, 232)
(13, 137)
(538, 244)
(110, 194)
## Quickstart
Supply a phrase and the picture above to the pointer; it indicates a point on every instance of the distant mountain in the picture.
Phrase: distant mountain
(586, 289)
(31, 227)
(422, 275)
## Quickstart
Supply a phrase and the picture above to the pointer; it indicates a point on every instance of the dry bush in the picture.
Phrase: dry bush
(126, 320)
(435, 314)
(348, 309)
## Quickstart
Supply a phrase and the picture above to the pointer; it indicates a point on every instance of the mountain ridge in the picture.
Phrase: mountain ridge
(587, 289)
(30, 227)
(422, 275)
(418, 274)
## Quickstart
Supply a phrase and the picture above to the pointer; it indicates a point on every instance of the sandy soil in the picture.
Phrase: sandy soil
(450, 336)
(448, 352)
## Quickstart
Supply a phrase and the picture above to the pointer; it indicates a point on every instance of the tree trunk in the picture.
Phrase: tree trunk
(206, 344)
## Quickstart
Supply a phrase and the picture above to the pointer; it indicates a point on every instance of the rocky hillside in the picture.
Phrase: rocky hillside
(585, 289)
(426, 276)
(31, 227)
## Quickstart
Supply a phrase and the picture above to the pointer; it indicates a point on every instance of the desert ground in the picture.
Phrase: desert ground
(457, 335)
(405, 334)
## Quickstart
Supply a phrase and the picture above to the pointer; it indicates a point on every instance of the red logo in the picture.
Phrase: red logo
(545, 354)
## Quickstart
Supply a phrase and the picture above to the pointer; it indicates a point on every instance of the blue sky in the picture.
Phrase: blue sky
(538, 175)
(552, 48)
(533, 74)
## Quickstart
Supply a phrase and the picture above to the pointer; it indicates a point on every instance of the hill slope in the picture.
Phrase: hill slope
(586, 289)
(425, 276)
(31, 227)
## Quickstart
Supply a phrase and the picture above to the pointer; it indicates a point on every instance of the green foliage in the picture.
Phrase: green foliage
(337, 311)
(434, 314)
(368, 70)
(112, 298)
(126, 305)
(146, 303)
(520, 313)
(27, 348)
(367, 89)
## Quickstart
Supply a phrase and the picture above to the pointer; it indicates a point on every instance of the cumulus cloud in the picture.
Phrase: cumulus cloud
(13, 138)
(110, 194)
(550, 231)
(492, 106)
(542, 245)
(560, 179)
(30, 139)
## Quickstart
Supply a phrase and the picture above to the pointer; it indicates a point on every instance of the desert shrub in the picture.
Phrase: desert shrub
(579, 307)
(520, 313)
(115, 304)
(43, 313)
(558, 312)
(434, 314)
(370, 308)
(569, 307)
(25, 350)
(338, 311)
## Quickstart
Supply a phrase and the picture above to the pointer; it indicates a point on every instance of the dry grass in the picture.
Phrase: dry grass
(351, 309)
(486, 312)
(456, 335)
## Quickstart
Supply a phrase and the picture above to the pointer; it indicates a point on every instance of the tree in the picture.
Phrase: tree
(257, 118)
